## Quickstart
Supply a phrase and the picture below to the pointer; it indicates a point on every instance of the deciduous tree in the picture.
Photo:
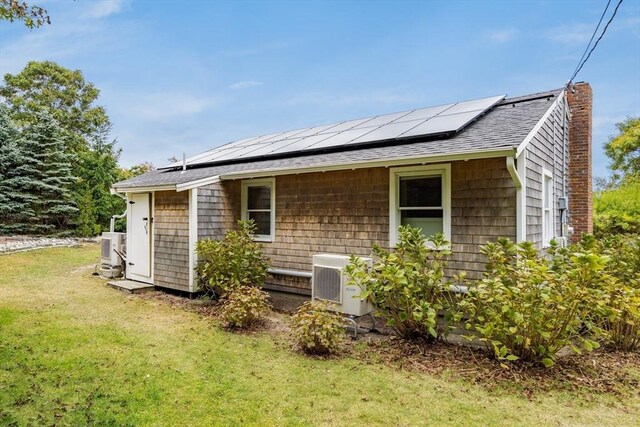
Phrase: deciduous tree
(14, 10)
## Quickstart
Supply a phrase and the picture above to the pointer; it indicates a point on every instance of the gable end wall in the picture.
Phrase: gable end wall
(546, 152)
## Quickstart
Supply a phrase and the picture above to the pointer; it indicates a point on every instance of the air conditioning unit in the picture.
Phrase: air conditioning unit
(111, 261)
(329, 283)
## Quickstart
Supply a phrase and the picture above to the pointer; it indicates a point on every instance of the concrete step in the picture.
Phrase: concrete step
(130, 286)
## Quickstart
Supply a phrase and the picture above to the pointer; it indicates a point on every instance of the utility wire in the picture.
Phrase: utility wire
(592, 37)
(604, 30)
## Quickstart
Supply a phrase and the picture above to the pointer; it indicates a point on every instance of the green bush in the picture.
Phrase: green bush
(620, 283)
(317, 329)
(234, 261)
(617, 210)
(530, 306)
(244, 306)
(407, 286)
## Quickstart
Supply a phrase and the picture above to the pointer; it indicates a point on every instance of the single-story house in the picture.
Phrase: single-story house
(517, 167)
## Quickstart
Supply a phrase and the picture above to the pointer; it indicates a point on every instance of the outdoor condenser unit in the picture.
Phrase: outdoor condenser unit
(329, 283)
(111, 261)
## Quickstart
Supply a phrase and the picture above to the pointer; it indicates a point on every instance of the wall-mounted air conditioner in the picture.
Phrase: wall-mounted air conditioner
(329, 283)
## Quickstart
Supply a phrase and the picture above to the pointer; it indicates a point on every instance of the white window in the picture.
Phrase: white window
(547, 208)
(420, 196)
(258, 204)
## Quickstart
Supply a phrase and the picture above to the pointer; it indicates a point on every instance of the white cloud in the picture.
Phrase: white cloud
(571, 33)
(502, 36)
(163, 106)
(104, 8)
(245, 84)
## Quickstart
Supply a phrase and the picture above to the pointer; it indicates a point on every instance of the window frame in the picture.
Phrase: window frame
(244, 213)
(548, 234)
(442, 170)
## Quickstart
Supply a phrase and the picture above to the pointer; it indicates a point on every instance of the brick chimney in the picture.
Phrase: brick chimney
(579, 96)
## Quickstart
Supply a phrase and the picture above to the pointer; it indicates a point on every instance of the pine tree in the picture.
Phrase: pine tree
(15, 200)
(49, 171)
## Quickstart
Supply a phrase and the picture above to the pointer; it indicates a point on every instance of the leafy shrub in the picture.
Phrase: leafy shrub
(620, 283)
(317, 329)
(617, 210)
(234, 261)
(529, 306)
(244, 306)
(407, 286)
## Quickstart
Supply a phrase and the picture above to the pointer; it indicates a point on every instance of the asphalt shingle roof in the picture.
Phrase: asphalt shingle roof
(503, 127)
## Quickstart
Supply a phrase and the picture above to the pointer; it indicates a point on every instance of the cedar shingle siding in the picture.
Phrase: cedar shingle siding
(546, 151)
(345, 212)
(171, 234)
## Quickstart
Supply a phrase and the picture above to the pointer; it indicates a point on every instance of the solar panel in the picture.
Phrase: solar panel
(440, 119)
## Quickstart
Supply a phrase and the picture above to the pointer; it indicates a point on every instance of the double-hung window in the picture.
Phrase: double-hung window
(547, 208)
(258, 204)
(420, 197)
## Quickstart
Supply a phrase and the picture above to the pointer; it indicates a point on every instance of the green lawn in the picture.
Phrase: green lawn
(75, 352)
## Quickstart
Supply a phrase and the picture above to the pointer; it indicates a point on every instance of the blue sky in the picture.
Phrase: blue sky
(187, 76)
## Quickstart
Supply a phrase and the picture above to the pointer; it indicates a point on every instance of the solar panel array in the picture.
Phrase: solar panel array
(396, 126)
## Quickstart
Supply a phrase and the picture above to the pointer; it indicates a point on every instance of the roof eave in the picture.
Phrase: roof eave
(438, 158)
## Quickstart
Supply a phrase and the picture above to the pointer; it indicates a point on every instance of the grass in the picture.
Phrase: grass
(75, 352)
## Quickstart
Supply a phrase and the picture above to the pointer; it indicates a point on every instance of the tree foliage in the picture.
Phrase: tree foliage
(617, 209)
(15, 10)
(37, 178)
(617, 202)
(624, 149)
(46, 89)
(64, 93)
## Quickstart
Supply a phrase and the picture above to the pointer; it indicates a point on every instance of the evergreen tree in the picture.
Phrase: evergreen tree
(49, 170)
(15, 200)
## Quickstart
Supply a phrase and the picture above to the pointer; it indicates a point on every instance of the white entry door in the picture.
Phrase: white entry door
(139, 247)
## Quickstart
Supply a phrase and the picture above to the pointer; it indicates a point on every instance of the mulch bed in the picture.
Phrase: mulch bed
(602, 371)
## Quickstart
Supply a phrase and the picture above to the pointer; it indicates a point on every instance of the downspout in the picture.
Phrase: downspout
(518, 179)
(112, 222)
(511, 167)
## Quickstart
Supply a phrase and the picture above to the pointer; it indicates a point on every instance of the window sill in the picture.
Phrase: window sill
(265, 239)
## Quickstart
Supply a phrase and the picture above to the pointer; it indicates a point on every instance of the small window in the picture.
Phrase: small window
(420, 197)
(258, 204)
(421, 203)
(547, 208)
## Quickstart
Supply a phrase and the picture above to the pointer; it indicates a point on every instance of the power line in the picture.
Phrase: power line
(592, 37)
(604, 30)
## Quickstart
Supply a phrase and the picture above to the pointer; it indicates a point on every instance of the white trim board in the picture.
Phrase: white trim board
(443, 170)
(271, 183)
(193, 237)
(525, 142)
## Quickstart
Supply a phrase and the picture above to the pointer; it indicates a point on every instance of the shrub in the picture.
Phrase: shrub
(617, 210)
(244, 306)
(620, 284)
(407, 286)
(317, 329)
(529, 306)
(234, 261)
